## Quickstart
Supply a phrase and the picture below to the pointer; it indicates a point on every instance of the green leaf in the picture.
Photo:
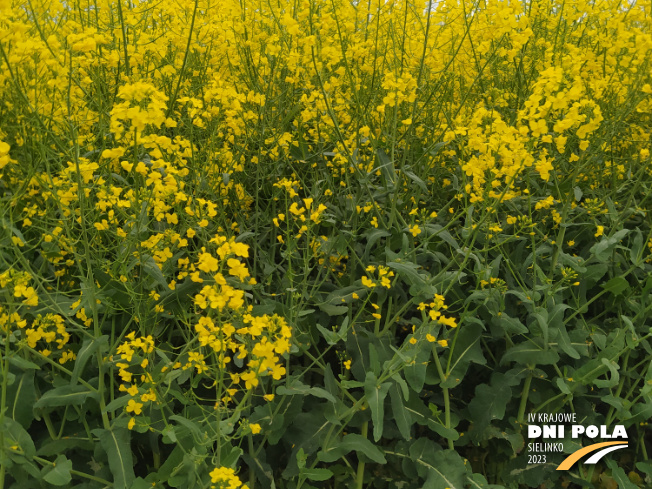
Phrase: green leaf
(637, 248)
(373, 235)
(563, 386)
(603, 248)
(152, 270)
(60, 473)
(595, 273)
(116, 442)
(408, 272)
(375, 395)
(619, 476)
(439, 231)
(466, 350)
(15, 434)
(530, 353)
(415, 373)
(386, 168)
(316, 474)
(21, 396)
(541, 315)
(616, 285)
(401, 415)
(333, 310)
(21, 363)
(441, 430)
(577, 192)
(447, 471)
(490, 402)
(614, 378)
(297, 387)
(89, 347)
(67, 395)
(301, 458)
(509, 324)
(352, 442)
(412, 176)
(556, 324)
(141, 483)
(404, 387)
(478, 481)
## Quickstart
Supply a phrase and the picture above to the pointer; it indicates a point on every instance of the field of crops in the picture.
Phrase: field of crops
(324, 243)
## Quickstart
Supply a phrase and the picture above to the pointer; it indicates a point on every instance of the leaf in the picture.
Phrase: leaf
(60, 473)
(408, 272)
(67, 395)
(441, 430)
(316, 474)
(509, 324)
(375, 395)
(15, 434)
(22, 364)
(21, 396)
(563, 386)
(541, 315)
(615, 376)
(401, 415)
(619, 476)
(116, 442)
(447, 471)
(297, 387)
(616, 285)
(466, 350)
(637, 248)
(478, 481)
(373, 235)
(87, 350)
(490, 402)
(404, 387)
(556, 323)
(349, 443)
(529, 353)
(151, 269)
(577, 192)
(415, 373)
(594, 273)
(387, 168)
(333, 310)
(440, 232)
(603, 248)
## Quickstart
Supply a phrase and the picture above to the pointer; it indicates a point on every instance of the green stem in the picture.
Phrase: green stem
(447, 402)
(360, 475)
(4, 360)
(524, 395)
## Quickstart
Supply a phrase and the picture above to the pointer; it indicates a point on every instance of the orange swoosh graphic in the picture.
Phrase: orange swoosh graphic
(575, 456)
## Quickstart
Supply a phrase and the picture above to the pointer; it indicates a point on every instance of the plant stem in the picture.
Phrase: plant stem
(447, 402)
(359, 480)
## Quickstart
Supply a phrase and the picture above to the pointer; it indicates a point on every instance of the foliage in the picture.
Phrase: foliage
(322, 243)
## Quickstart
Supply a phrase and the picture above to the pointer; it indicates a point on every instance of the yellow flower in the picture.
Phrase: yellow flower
(255, 428)
(443, 343)
(207, 263)
(600, 231)
(415, 230)
(367, 282)
(134, 407)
